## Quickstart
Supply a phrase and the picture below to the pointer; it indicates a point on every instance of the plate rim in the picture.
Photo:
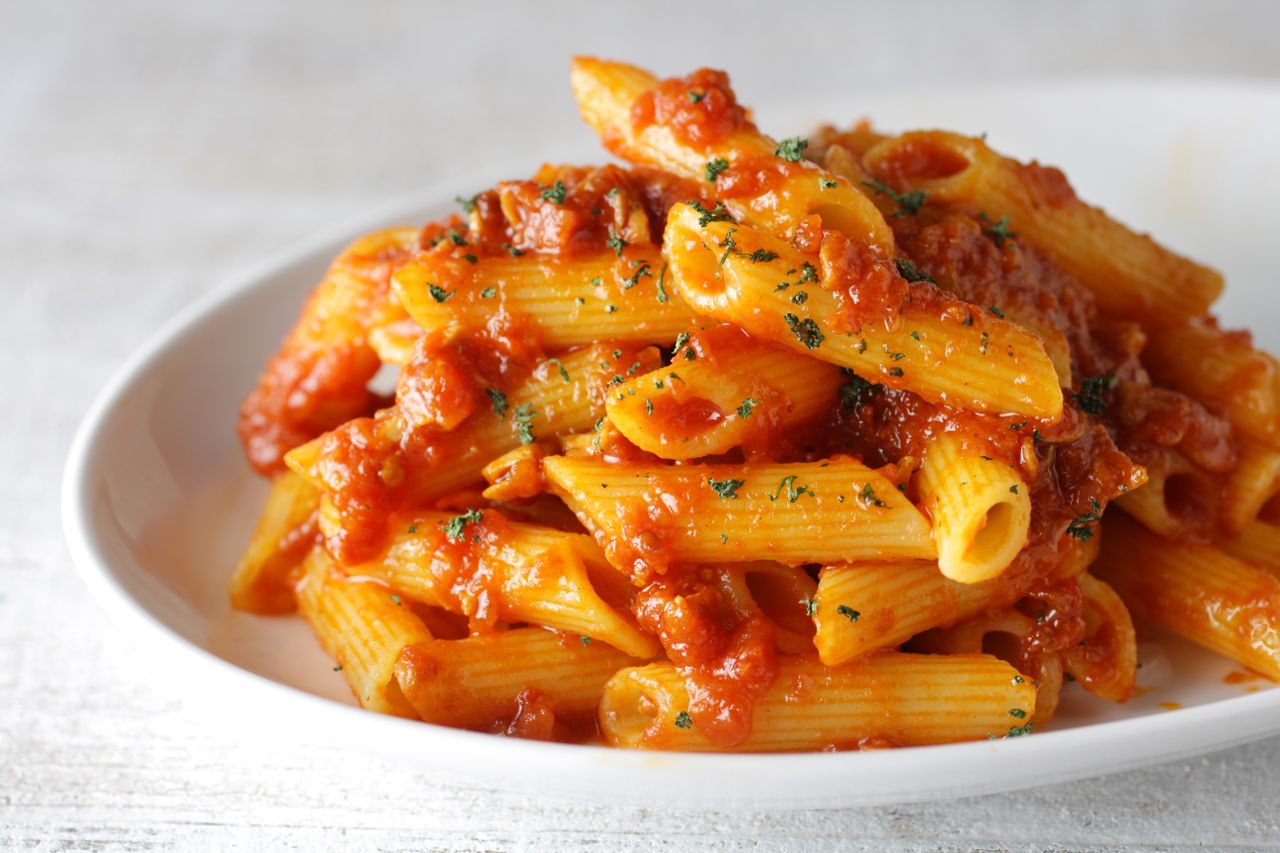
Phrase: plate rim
(658, 777)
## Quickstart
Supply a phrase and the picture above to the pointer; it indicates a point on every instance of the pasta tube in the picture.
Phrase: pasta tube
(651, 516)
(363, 626)
(906, 699)
(477, 682)
(960, 355)
(1207, 596)
(732, 395)
(1130, 274)
(490, 569)
(981, 510)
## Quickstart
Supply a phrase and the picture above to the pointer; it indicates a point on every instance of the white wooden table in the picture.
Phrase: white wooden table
(149, 150)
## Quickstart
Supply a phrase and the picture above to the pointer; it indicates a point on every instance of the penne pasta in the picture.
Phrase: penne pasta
(480, 682)
(267, 572)
(363, 626)
(647, 517)
(730, 394)
(949, 353)
(1009, 635)
(1254, 481)
(980, 507)
(1128, 273)
(1221, 368)
(903, 699)
(1105, 662)
(319, 378)
(762, 444)
(618, 102)
(561, 396)
(1258, 545)
(866, 606)
(493, 570)
(568, 302)
(1198, 591)
(780, 593)
(1179, 499)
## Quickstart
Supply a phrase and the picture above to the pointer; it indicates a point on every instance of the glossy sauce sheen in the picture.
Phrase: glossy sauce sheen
(973, 274)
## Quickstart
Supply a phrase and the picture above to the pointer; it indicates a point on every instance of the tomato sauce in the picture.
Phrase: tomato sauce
(319, 378)
(700, 109)
(920, 158)
(727, 661)
(953, 262)
(573, 211)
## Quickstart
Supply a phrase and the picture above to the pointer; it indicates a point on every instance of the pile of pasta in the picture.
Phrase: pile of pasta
(763, 445)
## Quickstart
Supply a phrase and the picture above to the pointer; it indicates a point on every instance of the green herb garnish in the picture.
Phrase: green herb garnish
(725, 488)
(806, 331)
(1090, 397)
(793, 491)
(1081, 527)
(907, 269)
(455, 527)
(524, 428)
(868, 496)
(554, 193)
(715, 167)
(791, 149)
(499, 401)
(908, 203)
(715, 214)
(615, 242)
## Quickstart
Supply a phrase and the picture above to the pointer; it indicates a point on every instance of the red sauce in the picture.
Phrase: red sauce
(684, 417)
(437, 391)
(576, 211)
(1058, 611)
(722, 693)
(1152, 418)
(465, 570)
(353, 459)
(751, 177)
(867, 287)
(1073, 467)
(319, 377)
(535, 717)
(700, 109)
(920, 158)
(1241, 677)
(727, 661)
(1047, 186)
(302, 393)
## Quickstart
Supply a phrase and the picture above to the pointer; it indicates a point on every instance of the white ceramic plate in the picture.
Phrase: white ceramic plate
(158, 501)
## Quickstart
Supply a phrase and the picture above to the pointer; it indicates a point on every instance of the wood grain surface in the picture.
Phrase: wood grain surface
(148, 150)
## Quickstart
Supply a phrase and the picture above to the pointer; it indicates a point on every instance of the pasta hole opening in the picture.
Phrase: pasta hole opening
(921, 159)
(1188, 499)
(632, 710)
(1003, 645)
(843, 219)
(781, 601)
(994, 536)
(613, 589)
(1270, 512)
